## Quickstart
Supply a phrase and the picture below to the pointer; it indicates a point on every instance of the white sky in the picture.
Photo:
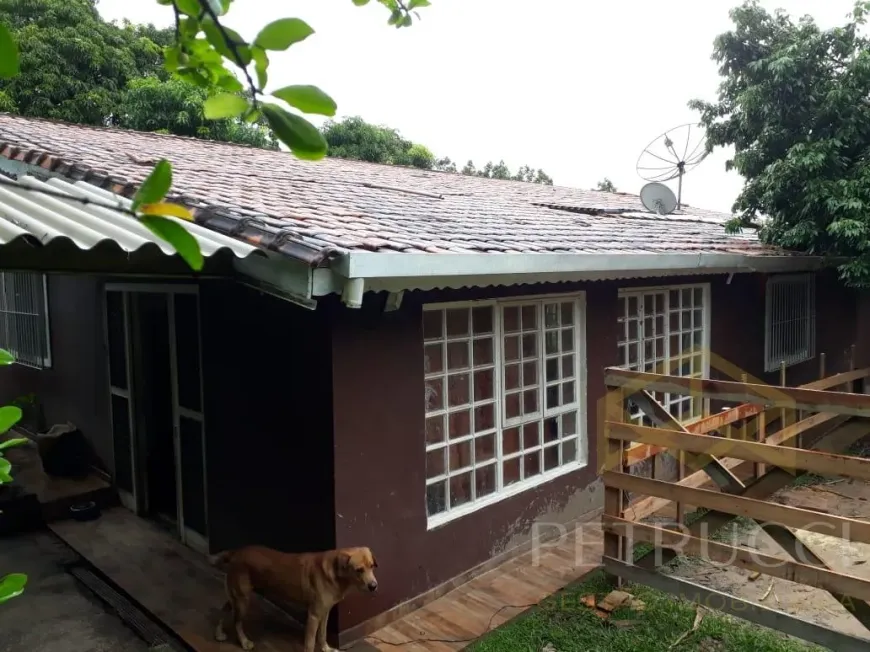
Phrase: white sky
(577, 88)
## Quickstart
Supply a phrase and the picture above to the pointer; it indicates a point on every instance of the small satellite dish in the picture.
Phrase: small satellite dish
(658, 198)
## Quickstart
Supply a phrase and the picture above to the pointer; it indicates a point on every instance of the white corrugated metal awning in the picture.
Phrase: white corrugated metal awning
(88, 219)
(75, 227)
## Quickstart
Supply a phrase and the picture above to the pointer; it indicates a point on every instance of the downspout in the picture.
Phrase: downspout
(352, 293)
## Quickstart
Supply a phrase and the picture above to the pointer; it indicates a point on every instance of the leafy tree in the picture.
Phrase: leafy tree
(501, 171)
(605, 185)
(445, 165)
(175, 106)
(354, 138)
(74, 66)
(793, 102)
(202, 46)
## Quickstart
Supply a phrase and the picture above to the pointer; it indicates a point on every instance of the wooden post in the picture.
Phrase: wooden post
(743, 426)
(783, 412)
(681, 474)
(614, 499)
(821, 366)
(761, 436)
(852, 367)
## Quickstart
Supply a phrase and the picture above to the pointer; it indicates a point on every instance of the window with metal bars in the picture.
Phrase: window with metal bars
(790, 320)
(24, 330)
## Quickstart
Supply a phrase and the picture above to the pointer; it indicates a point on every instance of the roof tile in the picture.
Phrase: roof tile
(346, 205)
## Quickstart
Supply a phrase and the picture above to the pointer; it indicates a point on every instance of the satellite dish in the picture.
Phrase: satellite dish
(672, 154)
(658, 198)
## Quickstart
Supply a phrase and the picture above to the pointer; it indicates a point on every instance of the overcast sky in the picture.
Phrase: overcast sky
(575, 87)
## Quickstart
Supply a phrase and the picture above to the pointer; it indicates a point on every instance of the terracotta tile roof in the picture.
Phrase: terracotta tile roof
(310, 210)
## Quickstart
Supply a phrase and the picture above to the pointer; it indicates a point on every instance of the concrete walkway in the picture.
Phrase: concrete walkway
(55, 614)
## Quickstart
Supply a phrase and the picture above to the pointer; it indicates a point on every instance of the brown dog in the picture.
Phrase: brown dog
(316, 580)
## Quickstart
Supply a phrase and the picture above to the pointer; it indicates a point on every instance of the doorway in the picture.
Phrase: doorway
(155, 385)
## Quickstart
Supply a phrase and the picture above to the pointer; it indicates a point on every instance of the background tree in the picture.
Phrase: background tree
(793, 102)
(74, 66)
(605, 185)
(79, 68)
(354, 138)
(175, 106)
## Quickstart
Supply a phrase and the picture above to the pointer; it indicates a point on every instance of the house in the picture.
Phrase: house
(372, 355)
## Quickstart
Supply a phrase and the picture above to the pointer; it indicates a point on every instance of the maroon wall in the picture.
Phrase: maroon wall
(268, 419)
(378, 423)
(380, 457)
(75, 388)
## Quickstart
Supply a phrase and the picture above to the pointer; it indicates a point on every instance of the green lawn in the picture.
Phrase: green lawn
(568, 626)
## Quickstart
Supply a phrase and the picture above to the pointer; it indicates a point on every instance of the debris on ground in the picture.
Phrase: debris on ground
(610, 603)
(754, 575)
(549, 647)
(616, 599)
(699, 616)
(766, 593)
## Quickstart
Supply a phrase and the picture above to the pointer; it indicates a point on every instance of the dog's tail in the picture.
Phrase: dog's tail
(221, 558)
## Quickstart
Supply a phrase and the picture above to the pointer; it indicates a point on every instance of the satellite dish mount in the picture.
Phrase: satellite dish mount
(672, 154)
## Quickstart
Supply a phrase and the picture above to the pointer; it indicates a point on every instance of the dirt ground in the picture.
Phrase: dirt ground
(836, 496)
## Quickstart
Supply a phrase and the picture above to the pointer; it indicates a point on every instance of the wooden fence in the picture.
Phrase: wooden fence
(778, 431)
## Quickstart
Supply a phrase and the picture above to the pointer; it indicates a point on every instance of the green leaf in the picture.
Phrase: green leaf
(5, 478)
(302, 137)
(155, 187)
(175, 234)
(414, 4)
(189, 7)
(216, 38)
(360, 3)
(282, 33)
(216, 6)
(261, 65)
(6, 358)
(308, 99)
(10, 443)
(224, 105)
(230, 83)
(12, 586)
(9, 416)
(5, 466)
(9, 65)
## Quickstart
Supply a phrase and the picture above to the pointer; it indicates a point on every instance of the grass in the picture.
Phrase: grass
(566, 625)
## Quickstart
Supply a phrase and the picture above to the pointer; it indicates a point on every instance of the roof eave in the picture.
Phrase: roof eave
(372, 265)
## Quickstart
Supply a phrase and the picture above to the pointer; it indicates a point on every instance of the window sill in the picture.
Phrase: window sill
(434, 522)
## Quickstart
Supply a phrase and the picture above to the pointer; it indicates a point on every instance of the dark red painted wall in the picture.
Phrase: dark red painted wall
(378, 423)
(75, 388)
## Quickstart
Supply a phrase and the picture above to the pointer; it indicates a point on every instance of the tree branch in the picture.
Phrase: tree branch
(232, 46)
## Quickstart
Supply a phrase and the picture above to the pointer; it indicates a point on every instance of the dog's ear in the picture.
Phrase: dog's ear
(374, 561)
(342, 563)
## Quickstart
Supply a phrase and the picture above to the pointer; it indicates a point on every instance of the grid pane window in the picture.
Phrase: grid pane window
(503, 401)
(663, 331)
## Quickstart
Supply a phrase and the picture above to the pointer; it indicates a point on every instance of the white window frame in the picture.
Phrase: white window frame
(582, 439)
(706, 323)
(27, 360)
(800, 351)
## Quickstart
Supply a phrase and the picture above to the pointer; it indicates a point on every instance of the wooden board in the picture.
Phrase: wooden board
(755, 613)
(775, 455)
(803, 519)
(769, 396)
(752, 560)
(720, 474)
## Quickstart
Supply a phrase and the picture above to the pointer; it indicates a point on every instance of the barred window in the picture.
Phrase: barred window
(24, 330)
(790, 332)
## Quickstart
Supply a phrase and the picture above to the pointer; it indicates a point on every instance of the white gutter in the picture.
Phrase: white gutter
(372, 265)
